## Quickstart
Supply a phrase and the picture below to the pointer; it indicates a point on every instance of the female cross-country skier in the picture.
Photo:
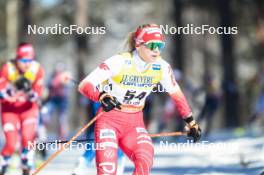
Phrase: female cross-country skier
(130, 78)
(21, 84)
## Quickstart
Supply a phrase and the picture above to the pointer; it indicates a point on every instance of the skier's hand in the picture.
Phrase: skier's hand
(194, 129)
(10, 99)
(33, 96)
(8, 95)
(20, 96)
(23, 84)
(108, 102)
(12, 95)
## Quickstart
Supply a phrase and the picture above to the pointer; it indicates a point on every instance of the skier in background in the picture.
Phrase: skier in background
(211, 101)
(257, 87)
(58, 100)
(21, 84)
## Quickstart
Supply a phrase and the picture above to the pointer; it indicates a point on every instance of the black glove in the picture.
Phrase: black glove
(108, 102)
(195, 130)
(5, 93)
(23, 84)
(33, 96)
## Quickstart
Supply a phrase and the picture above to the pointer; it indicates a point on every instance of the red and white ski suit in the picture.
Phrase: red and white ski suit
(129, 79)
(19, 116)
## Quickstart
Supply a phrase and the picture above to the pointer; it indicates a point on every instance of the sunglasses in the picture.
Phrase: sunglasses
(25, 60)
(153, 45)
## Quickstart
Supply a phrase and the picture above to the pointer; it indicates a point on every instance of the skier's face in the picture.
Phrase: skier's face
(23, 64)
(147, 53)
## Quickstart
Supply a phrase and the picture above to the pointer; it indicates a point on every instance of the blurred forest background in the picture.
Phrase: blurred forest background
(233, 62)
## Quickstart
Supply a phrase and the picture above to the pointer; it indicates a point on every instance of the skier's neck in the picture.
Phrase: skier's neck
(140, 63)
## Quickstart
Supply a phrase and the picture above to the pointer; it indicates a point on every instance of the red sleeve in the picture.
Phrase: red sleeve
(38, 84)
(88, 90)
(181, 104)
(3, 77)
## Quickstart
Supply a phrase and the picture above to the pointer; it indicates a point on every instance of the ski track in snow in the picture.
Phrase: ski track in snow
(229, 156)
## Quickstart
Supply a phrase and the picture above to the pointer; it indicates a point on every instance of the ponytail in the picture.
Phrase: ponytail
(130, 42)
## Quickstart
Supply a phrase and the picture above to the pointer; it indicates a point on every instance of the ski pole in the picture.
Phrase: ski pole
(55, 154)
(166, 134)
(73, 80)
(64, 141)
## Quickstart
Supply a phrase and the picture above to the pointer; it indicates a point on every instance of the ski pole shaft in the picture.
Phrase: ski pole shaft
(64, 141)
(74, 81)
(166, 134)
(55, 154)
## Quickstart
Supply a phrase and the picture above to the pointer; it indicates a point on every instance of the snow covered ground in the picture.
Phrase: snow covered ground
(224, 154)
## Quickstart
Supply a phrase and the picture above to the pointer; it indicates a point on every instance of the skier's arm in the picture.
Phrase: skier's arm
(37, 86)
(172, 88)
(5, 92)
(3, 77)
(104, 71)
(175, 92)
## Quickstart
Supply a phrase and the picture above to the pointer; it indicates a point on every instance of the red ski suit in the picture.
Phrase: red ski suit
(20, 115)
(130, 80)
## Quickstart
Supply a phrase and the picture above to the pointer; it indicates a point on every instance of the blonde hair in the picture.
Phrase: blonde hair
(130, 40)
